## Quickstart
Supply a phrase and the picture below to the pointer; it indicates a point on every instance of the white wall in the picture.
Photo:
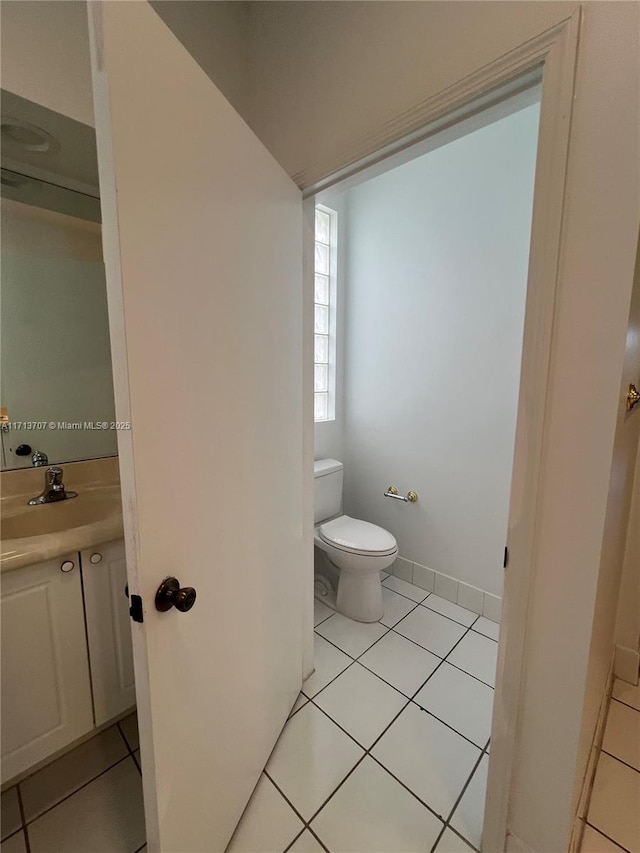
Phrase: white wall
(56, 358)
(437, 258)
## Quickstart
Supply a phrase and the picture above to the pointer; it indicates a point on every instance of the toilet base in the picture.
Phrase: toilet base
(360, 595)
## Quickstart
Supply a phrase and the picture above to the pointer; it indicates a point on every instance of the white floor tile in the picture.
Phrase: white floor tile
(105, 815)
(352, 637)
(361, 703)
(614, 802)
(478, 656)
(321, 611)
(460, 701)
(469, 814)
(594, 842)
(395, 607)
(268, 823)
(300, 701)
(11, 820)
(433, 761)
(622, 734)
(15, 844)
(627, 693)
(400, 662)
(430, 630)
(405, 588)
(311, 758)
(373, 812)
(328, 662)
(305, 843)
(68, 773)
(488, 628)
(452, 843)
(129, 728)
(448, 608)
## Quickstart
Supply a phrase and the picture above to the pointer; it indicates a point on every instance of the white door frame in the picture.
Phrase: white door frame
(555, 52)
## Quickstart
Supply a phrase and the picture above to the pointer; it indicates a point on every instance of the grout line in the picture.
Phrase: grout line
(138, 849)
(284, 796)
(620, 760)
(486, 636)
(626, 704)
(23, 819)
(391, 589)
(408, 789)
(124, 737)
(367, 751)
(334, 645)
(291, 843)
(326, 618)
(318, 839)
(608, 837)
(73, 793)
(448, 725)
(457, 802)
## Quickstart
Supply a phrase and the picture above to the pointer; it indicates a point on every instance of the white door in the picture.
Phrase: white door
(203, 248)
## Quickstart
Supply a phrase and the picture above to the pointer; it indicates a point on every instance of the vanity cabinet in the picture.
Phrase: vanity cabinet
(104, 573)
(46, 689)
(67, 662)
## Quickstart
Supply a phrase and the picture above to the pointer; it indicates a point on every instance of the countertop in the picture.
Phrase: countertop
(92, 518)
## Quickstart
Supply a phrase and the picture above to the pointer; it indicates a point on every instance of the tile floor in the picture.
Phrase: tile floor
(386, 748)
(613, 820)
(88, 800)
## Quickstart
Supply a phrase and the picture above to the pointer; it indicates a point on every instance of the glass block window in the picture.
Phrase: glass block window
(324, 314)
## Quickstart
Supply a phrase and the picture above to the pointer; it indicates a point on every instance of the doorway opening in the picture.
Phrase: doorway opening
(420, 283)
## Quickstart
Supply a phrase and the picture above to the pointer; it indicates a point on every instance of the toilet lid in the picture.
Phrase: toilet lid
(359, 537)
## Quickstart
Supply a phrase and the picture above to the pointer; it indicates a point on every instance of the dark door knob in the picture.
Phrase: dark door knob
(171, 594)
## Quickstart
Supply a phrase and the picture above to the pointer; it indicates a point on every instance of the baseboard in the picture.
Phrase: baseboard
(471, 597)
(626, 664)
(580, 818)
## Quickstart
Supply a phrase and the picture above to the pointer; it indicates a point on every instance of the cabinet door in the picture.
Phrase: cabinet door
(46, 691)
(104, 573)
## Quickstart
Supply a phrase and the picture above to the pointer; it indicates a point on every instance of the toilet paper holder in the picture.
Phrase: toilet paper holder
(392, 492)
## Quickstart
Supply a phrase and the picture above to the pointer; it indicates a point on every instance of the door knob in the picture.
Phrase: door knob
(171, 594)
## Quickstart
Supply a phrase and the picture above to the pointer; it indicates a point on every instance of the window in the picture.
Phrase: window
(324, 358)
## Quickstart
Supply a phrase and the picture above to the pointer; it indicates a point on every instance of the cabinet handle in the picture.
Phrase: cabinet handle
(95, 558)
(67, 566)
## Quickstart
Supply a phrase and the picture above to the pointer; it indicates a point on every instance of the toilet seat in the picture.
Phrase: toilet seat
(357, 537)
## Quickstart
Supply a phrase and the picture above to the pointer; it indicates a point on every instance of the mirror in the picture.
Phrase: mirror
(56, 389)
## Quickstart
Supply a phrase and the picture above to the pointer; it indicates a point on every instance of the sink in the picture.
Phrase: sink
(20, 521)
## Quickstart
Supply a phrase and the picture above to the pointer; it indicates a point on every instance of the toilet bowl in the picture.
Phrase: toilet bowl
(358, 549)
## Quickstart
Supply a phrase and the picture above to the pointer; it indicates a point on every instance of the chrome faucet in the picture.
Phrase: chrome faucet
(39, 459)
(54, 489)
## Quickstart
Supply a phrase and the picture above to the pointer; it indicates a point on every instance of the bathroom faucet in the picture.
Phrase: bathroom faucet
(39, 458)
(54, 489)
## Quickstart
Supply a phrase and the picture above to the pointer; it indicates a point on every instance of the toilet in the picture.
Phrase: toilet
(359, 550)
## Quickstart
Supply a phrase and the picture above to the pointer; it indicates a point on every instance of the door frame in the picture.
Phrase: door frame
(554, 52)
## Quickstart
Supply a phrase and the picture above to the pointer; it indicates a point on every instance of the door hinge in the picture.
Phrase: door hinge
(505, 561)
(135, 610)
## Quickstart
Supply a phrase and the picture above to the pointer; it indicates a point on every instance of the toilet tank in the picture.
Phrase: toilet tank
(327, 475)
